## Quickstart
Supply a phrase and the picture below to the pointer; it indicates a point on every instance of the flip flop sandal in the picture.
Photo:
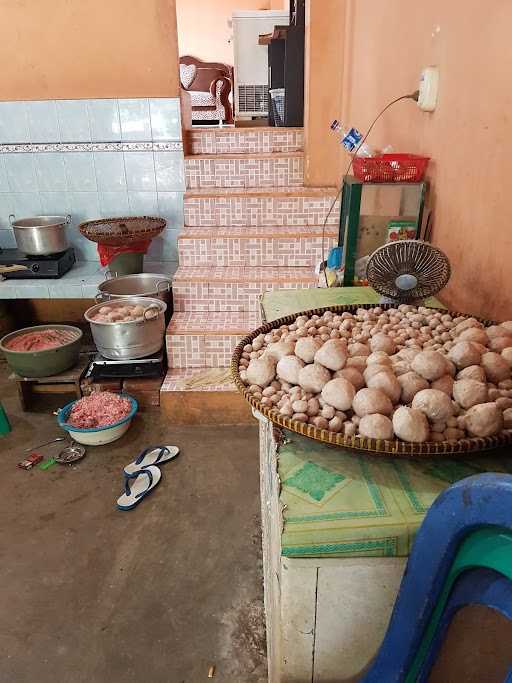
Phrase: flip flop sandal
(154, 455)
(138, 486)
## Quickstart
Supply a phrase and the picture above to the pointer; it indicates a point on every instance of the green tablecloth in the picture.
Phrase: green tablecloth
(280, 302)
(342, 504)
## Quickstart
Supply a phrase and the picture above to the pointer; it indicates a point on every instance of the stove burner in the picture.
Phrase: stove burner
(52, 266)
(105, 368)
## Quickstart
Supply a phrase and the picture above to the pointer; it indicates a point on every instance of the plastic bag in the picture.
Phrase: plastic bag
(107, 253)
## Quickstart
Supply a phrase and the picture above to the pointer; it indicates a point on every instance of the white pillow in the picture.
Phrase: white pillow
(187, 74)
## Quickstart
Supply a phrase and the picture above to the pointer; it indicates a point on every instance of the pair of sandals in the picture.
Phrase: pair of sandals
(143, 475)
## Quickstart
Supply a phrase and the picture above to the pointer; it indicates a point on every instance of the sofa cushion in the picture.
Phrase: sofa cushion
(200, 98)
(188, 73)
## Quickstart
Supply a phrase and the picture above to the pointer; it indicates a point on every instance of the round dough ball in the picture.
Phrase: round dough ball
(453, 434)
(261, 371)
(496, 367)
(381, 342)
(507, 354)
(464, 354)
(332, 355)
(410, 425)
(466, 323)
(435, 404)
(497, 331)
(374, 369)
(410, 384)
(369, 401)
(327, 412)
(353, 376)
(320, 422)
(475, 372)
(386, 382)
(444, 383)
(507, 418)
(401, 367)
(339, 393)
(408, 354)
(358, 349)
(300, 417)
(335, 424)
(313, 407)
(380, 357)
(313, 377)
(105, 310)
(349, 429)
(500, 343)
(376, 426)
(429, 364)
(280, 349)
(358, 362)
(474, 334)
(306, 347)
(300, 406)
(469, 392)
(484, 419)
(288, 369)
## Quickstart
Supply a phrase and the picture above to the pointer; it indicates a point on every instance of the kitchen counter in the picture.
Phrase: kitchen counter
(81, 282)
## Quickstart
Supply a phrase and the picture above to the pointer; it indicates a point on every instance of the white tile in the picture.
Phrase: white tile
(32, 289)
(170, 207)
(50, 171)
(6, 208)
(56, 203)
(7, 290)
(89, 291)
(104, 120)
(60, 290)
(80, 171)
(20, 172)
(135, 122)
(165, 118)
(169, 171)
(73, 121)
(84, 206)
(85, 250)
(42, 121)
(14, 122)
(4, 183)
(142, 203)
(164, 247)
(7, 240)
(113, 204)
(26, 204)
(140, 171)
(110, 174)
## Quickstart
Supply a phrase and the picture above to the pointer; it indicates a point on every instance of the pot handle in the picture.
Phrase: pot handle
(108, 275)
(149, 308)
(68, 218)
(166, 284)
(99, 298)
(11, 218)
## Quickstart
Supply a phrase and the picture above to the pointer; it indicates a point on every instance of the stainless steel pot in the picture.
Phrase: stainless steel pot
(41, 235)
(143, 284)
(129, 340)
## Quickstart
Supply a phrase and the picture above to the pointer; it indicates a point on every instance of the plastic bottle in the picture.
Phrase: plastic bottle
(351, 138)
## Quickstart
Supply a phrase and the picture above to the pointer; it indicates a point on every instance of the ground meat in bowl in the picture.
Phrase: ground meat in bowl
(100, 409)
(40, 340)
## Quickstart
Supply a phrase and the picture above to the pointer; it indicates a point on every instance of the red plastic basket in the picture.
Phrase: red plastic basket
(390, 168)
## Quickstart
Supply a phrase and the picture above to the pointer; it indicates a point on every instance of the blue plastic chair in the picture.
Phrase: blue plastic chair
(469, 526)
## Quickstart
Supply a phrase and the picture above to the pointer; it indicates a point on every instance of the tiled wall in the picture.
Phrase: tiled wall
(92, 159)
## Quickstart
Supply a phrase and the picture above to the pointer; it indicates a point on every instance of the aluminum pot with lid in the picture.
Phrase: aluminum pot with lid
(41, 235)
(132, 339)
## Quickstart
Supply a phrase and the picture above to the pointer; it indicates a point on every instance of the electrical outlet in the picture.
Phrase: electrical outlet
(429, 86)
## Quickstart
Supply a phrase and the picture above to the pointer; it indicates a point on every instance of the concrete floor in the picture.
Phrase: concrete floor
(94, 595)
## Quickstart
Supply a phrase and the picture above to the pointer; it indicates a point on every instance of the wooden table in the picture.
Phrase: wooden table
(64, 383)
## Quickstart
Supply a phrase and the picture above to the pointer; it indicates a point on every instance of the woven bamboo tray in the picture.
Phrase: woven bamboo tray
(116, 232)
(380, 447)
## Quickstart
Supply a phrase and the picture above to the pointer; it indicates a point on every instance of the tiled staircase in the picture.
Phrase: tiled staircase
(250, 226)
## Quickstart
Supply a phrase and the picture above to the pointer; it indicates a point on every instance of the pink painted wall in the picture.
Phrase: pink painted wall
(203, 29)
(469, 136)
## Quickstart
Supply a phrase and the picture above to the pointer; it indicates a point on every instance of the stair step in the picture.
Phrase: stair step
(247, 170)
(260, 206)
(244, 140)
(198, 340)
(268, 246)
(233, 288)
(194, 396)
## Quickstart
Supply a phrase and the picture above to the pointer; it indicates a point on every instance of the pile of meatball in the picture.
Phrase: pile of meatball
(412, 373)
(119, 313)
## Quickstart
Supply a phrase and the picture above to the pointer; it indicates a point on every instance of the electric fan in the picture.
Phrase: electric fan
(407, 271)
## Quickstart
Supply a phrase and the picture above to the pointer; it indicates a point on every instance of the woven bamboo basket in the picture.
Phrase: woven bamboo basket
(380, 447)
(119, 231)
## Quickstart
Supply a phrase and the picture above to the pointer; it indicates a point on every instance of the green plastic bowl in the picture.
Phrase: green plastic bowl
(43, 363)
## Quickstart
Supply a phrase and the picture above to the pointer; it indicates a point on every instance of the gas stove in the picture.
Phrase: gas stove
(104, 368)
(53, 266)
